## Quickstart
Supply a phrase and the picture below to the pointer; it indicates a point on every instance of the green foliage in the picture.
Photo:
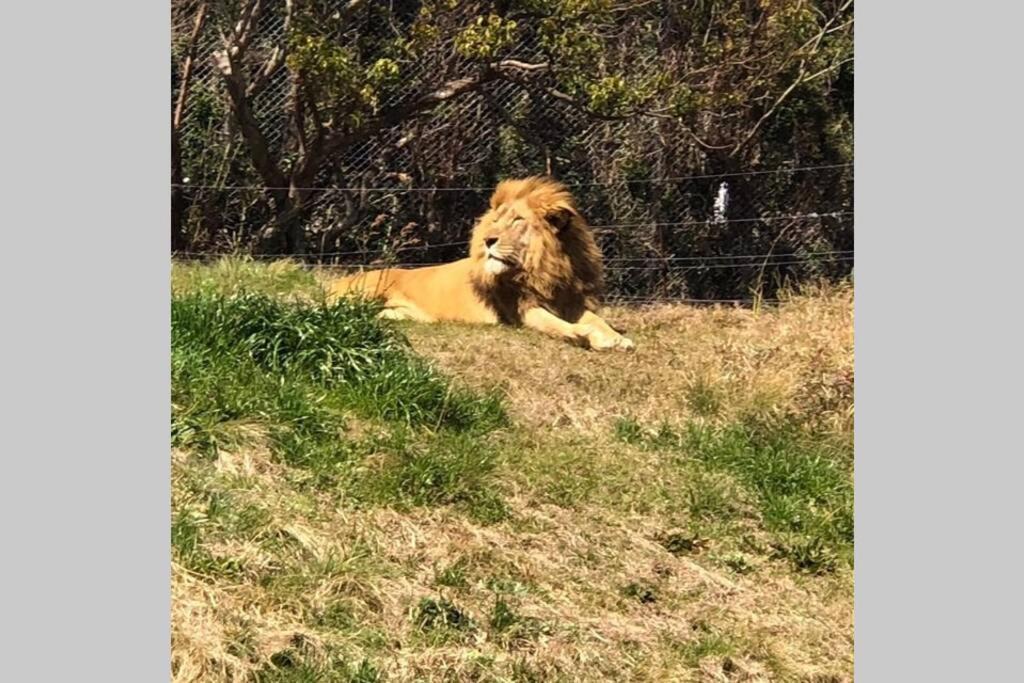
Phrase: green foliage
(691, 82)
(486, 37)
(339, 78)
(383, 72)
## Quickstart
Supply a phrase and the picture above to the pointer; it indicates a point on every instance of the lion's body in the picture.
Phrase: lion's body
(433, 293)
(532, 261)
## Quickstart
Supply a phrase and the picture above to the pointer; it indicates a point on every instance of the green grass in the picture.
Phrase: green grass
(707, 644)
(241, 274)
(511, 628)
(801, 482)
(298, 374)
(300, 365)
(440, 622)
(291, 667)
(345, 511)
(444, 469)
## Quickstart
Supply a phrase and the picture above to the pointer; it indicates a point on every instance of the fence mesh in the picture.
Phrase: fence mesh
(410, 194)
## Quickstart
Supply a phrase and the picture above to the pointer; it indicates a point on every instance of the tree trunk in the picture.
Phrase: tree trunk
(286, 233)
(178, 241)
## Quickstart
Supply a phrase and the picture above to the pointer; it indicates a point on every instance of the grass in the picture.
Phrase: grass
(802, 482)
(364, 501)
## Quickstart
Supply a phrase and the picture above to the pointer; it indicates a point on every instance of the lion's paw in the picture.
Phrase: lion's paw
(604, 342)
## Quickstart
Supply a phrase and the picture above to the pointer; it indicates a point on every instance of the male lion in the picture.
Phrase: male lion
(532, 261)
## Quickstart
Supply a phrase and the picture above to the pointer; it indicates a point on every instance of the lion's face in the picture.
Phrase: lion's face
(503, 238)
(533, 239)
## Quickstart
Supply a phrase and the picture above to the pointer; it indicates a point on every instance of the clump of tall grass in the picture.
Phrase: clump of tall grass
(297, 368)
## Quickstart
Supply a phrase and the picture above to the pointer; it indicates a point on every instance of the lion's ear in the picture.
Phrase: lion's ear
(561, 217)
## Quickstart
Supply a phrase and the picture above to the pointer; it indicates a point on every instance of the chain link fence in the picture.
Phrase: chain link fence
(409, 195)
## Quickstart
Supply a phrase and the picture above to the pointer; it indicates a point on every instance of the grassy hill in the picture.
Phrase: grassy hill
(359, 501)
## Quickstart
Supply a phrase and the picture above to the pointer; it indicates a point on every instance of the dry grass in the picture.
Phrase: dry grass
(798, 357)
(581, 581)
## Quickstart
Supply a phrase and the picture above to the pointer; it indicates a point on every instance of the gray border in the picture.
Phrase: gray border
(938, 234)
(85, 495)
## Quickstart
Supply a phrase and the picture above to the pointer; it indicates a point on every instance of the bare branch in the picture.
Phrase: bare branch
(350, 8)
(771, 110)
(186, 69)
(522, 66)
(255, 140)
(299, 112)
(242, 31)
(277, 56)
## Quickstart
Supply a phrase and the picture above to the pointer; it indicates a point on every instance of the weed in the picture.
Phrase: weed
(738, 563)
(707, 644)
(289, 667)
(628, 430)
(703, 398)
(511, 628)
(679, 543)
(440, 614)
(337, 616)
(454, 575)
(641, 591)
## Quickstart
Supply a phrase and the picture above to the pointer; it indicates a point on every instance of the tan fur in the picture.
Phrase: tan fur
(532, 261)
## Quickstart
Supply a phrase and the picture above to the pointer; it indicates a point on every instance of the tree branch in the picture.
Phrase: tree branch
(277, 56)
(801, 78)
(771, 110)
(449, 90)
(186, 68)
(255, 140)
(241, 32)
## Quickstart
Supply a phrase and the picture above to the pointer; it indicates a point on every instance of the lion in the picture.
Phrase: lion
(532, 262)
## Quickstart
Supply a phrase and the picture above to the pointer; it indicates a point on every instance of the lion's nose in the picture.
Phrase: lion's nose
(490, 242)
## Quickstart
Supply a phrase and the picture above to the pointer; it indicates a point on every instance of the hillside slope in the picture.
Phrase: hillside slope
(534, 512)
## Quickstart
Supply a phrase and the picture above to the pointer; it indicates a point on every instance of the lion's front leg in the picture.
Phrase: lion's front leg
(606, 337)
(587, 334)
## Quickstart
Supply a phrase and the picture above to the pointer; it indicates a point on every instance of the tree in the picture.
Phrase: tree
(334, 99)
(607, 91)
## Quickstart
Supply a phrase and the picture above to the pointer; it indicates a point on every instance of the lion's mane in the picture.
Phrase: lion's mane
(562, 268)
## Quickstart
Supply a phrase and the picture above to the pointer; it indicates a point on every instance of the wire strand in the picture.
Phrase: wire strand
(669, 259)
(648, 181)
(690, 266)
(438, 245)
